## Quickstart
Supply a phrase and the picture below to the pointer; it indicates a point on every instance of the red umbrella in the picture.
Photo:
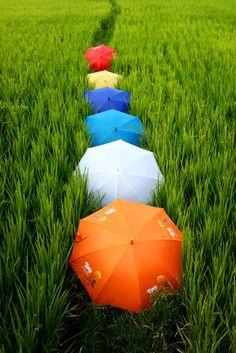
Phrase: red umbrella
(99, 57)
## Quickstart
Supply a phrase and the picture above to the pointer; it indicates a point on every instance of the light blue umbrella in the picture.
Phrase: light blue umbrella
(113, 125)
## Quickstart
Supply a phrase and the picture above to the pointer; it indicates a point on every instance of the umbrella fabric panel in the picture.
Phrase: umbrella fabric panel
(113, 125)
(135, 183)
(99, 57)
(121, 161)
(108, 98)
(93, 271)
(143, 165)
(122, 272)
(163, 225)
(103, 79)
(161, 253)
(125, 281)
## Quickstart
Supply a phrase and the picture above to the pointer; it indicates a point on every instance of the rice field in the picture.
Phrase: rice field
(177, 59)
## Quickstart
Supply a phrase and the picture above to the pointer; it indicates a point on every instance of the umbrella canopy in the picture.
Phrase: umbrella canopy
(106, 98)
(103, 79)
(120, 170)
(125, 252)
(113, 125)
(99, 57)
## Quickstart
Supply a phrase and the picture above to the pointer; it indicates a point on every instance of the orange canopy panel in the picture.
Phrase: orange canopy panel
(125, 252)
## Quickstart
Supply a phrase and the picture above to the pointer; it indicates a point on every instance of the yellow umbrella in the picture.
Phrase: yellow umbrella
(102, 79)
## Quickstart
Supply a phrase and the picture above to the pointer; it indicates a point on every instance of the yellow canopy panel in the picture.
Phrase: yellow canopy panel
(102, 79)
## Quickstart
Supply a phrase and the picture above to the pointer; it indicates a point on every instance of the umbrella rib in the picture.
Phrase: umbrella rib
(102, 226)
(94, 251)
(138, 278)
(106, 136)
(144, 154)
(131, 188)
(156, 259)
(127, 122)
(148, 222)
(107, 180)
(140, 175)
(114, 268)
(124, 215)
(155, 240)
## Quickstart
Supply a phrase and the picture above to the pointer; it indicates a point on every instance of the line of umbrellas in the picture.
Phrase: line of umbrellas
(128, 250)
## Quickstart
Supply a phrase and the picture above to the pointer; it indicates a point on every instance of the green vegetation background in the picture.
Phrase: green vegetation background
(178, 60)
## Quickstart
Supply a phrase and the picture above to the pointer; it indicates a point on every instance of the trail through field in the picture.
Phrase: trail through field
(104, 32)
(180, 74)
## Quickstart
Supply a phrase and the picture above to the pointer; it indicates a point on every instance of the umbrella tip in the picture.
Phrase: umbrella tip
(131, 241)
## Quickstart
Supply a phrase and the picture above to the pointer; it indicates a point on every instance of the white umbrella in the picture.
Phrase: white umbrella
(121, 170)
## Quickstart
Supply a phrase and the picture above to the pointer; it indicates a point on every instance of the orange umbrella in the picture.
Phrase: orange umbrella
(125, 252)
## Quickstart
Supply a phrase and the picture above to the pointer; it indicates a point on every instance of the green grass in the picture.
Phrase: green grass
(178, 60)
(43, 76)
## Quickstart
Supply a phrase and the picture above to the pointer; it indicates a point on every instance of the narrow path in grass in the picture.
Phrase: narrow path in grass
(104, 32)
(86, 325)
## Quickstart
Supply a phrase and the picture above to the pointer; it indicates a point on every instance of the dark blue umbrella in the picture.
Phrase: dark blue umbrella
(106, 98)
(113, 125)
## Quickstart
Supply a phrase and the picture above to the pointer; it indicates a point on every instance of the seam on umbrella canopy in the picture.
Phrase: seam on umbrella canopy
(101, 154)
(158, 240)
(122, 214)
(131, 188)
(156, 261)
(100, 225)
(110, 163)
(107, 105)
(138, 279)
(98, 250)
(92, 123)
(122, 100)
(113, 231)
(134, 136)
(100, 91)
(139, 175)
(123, 94)
(99, 74)
(107, 180)
(124, 118)
(114, 268)
(122, 204)
(105, 91)
(137, 157)
(107, 157)
(135, 120)
(140, 156)
(151, 191)
(148, 222)
(108, 98)
(115, 120)
(107, 136)
(121, 106)
(118, 118)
